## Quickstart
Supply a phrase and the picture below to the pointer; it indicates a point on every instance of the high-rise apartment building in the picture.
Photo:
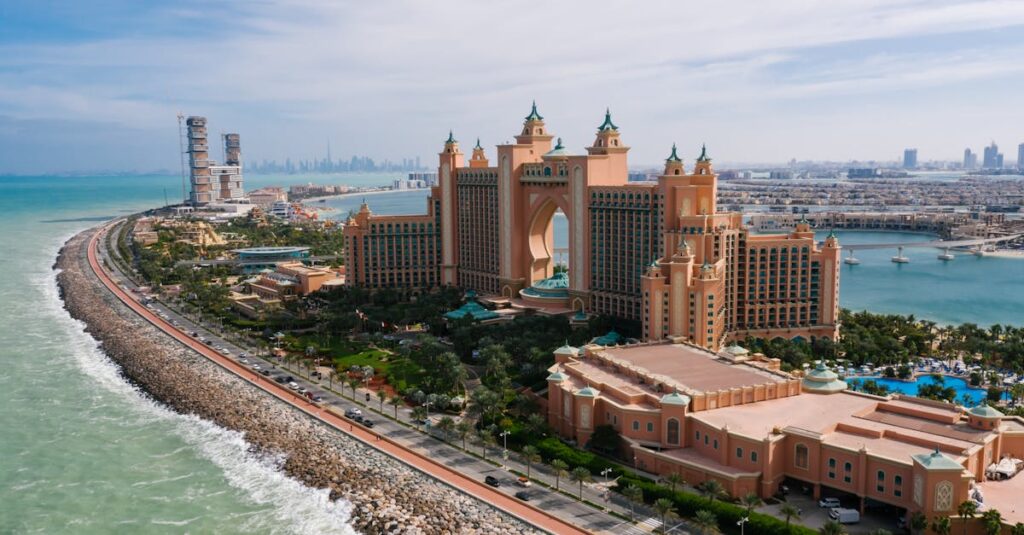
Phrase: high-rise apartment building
(910, 158)
(993, 159)
(970, 159)
(656, 252)
(1020, 156)
(211, 182)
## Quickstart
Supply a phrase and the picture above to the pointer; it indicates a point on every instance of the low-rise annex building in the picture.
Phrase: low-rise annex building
(739, 420)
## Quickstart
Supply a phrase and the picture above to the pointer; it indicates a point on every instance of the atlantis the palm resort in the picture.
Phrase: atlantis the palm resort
(685, 398)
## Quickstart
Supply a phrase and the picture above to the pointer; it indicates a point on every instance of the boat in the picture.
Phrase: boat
(947, 255)
(851, 260)
(899, 258)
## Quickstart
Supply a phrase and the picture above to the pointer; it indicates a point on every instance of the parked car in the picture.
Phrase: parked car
(523, 481)
(280, 379)
(265, 373)
(352, 413)
(492, 481)
(844, 516)
(243, 360)
(317, 398)
(523, 495)
(829, 503)
(368, 422)
(293, 385)
(289, 378)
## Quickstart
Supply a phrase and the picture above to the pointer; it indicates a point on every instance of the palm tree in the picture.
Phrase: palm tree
(918, 522)
(353, 383)
(634, 494)
(446, 424)
(486, 440)
(381, 396)
(993, 522)
(561, 470)
(790, 513)
(942, 526)
(418, 414)
(463, 428)
(832, 528)
(674, 480)
(395, 401)
(705, 522)
(712, 489)
(581, 475)
(663, 506)
(967, 510)
(751, 501)
(530, 455)
(1017, 529)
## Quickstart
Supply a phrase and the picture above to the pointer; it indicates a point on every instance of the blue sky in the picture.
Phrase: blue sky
(96, 85)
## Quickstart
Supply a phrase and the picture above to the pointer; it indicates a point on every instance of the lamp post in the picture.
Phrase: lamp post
(504, 447)
(605, 473)
(636, 470)
(742, 522)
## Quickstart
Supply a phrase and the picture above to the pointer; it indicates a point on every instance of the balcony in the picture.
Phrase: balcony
(200, 163)
(197, 134)
(198, 147)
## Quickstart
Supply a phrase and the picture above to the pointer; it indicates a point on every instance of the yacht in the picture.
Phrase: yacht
(851, 260)
(899, 258)
(946, 255)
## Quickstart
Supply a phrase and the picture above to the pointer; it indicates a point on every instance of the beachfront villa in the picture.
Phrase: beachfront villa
(738, 419)
(659, 253)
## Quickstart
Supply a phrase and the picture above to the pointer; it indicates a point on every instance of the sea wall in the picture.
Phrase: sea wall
(386, 495)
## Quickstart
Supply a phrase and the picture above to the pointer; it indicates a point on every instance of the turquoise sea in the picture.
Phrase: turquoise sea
(83, 452)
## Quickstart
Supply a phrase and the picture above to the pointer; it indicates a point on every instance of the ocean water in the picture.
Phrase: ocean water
(83, 452)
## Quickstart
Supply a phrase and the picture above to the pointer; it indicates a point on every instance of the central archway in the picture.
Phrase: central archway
(541, 242)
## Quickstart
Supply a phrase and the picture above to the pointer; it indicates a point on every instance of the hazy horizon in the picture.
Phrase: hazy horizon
(97, 86)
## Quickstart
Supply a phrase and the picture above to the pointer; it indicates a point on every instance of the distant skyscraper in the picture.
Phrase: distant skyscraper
(1020, 156)
(992, 159)
(970, 159)
(910, 158)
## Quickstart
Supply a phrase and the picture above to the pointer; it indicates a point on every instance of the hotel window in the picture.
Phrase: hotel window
(880, 486)
(716, 444)
(650, 427)
(697, 434)
(897, 486)
(706, 440)
(672, 435)
(848, 472)
(831, 468)
(636, 425)
(739, 453)
(753, 456)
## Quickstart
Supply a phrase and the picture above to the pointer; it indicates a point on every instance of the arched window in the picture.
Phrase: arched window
(880, 484)
(547, 171)
(800, 456)
(615, 142)
(677, 171)
(848, 472)
(672, 432)
(897, 486)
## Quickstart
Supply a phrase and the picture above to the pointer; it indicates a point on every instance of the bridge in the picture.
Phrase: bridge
(939, 244)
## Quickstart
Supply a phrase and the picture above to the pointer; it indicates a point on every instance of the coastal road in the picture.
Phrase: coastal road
(524, 511)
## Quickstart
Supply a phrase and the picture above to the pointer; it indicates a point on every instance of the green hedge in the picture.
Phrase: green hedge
(552, 448)
(687, 505)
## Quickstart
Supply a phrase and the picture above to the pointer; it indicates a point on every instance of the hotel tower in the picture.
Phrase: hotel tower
(656, 252)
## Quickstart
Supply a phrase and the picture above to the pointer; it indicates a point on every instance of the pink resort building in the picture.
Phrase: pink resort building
(656, 252)
(736, 418)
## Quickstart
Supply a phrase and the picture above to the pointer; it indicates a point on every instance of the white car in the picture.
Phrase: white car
(829, 503)
(293, 385)
(256, 367)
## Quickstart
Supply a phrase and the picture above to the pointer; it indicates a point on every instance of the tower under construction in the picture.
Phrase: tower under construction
(211, 182)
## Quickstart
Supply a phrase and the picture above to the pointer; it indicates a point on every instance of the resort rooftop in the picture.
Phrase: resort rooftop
(694, 369)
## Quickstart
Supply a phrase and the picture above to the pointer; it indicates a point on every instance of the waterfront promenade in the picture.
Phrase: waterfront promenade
(542, 518)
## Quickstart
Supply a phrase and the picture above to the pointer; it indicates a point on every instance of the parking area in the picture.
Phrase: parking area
(814, 516)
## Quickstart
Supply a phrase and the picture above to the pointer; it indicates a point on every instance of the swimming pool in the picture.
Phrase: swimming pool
(977, 395)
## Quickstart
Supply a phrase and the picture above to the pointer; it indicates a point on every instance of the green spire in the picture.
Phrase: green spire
(673, 157)
(703, 154)
(607, 124)
(451, 138)
(478, 144)
(832, 233)
(534, 116)
(558, 144)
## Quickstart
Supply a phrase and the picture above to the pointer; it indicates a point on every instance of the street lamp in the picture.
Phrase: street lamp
(504, 446)
(741, 522)
(636, 470)
(605, 473)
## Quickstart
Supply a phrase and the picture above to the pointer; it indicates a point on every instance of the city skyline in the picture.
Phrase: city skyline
(839, 81)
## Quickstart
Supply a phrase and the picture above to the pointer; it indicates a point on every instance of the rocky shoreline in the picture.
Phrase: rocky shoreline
(386, 495)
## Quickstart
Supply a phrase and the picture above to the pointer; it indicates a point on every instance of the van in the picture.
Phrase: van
(844, 516)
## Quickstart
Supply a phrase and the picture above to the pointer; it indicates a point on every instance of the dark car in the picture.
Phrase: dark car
(280, 379)
(492, 481)
(265, 373)
(289, 379)
(367, 422)
(523, 495)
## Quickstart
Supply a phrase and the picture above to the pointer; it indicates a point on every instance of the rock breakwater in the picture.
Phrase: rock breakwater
(387, 496)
